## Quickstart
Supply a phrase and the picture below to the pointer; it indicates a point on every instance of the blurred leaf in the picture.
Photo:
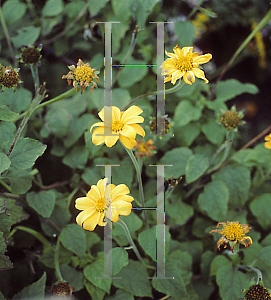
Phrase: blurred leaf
(52, 8)
(179, 212)
(20, 180)
(120, 97)
(4, 162)
(120, 294)
(214, 132)
(196, 165)
(6, 114)
(95, 270)
(228, 89)
(7, 131)
(231, 282)
(77, 157)
(2, 297)
(237, 179)
(5, 263)
(95, 292)
(148, 240)
(73, 8)
(118, 32)
(48, 257)
(185, 112)
(92, 239)
(25, 153)
(26, 35)
(185, 31)
(92, 175)
(260, 208)
(177, 157)
(214, 199)
(73, 277)
(218, 262)
(5, 218)
(95, 6)
(178, 265)
(73, 238)
(185, 135)
(58, 120)
(34, 291)
(18, 102)
(132, 74)
(118, 258)
(13, 11)
(15, 211)
(42, 202)
(132, 221)
(122, 9)
(134, 279)
(265, 255)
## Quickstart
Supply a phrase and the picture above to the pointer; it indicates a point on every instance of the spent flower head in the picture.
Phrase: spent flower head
(62, 289)
(231, 119)
(267, 144)
(103, 200)
(257, 291)
(233, 233)
(144, 148)
(184, 63)
(9, 77)
(118, 125)
(82, 75)
(30, 55)
(159, 130)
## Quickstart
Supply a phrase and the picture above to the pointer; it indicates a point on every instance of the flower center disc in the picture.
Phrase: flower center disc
(185, 63)
(117, 126)
(100, 205)
(83, 73)
(233, 232)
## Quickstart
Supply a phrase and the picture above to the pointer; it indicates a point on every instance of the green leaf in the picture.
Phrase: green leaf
(147, 240)
(73, 277)
(5, 218)
(25, 153)
(58, 121)
(237, 179)
(178, 265)
(185, 31)
(132, 74)
(95, 270)
(77, 157)
(6, 114)
(52, 8)
(214, 200)
(42, 202)
(13, 11)
(231, 282)
(118, 32)
(48, 257)
(119, 259)
(35, 291)
(5, 263)
(120, 294)
(260, 208)
(265, 255)
(214, 132)
(186, 135)
(20, 180)
(4, 162)
(132, 221)
(2, 297)
(26, 35)
(134, 279)
(73, 238)
(177, 157)
(228, 89)
(95, 6)
(15, 211)
(7, 131)
(217, 263)
(95, 292)
(120, 97)
(197, 164)
(185, 112)
(122, 9)
(179, 212)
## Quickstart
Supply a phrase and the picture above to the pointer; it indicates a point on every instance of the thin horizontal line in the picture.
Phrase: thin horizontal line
(134, 65)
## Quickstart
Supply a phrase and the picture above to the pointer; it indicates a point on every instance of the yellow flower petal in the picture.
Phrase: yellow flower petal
(111, 140)
(84, 215)
(200, 74)
(202, 59)
(129, 131)
(91, 222)
(84, 203)
(139, 130)
(120, 190)
(98, 136)
(128, 143)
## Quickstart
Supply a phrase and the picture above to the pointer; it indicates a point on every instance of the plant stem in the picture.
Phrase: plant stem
(5, 185)
(124, 226)
(36, 234)
(35, 75)
(174, 89)
(37, 99)
(5, 29)
(60, 97)
(57, 267)
(138, 173)
(259, 273)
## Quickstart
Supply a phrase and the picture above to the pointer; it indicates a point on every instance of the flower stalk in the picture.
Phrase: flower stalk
(57, 267)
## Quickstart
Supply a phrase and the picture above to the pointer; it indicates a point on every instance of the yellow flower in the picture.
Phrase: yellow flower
(81, 75)
(103, 200)
(267, 144)
(144, 149)
(184, 63)
(122, 125)
(233, 232)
